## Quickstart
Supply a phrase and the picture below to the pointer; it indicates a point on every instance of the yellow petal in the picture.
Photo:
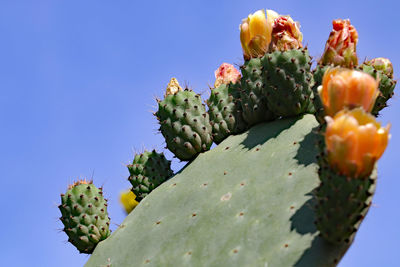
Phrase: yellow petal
(258, 24)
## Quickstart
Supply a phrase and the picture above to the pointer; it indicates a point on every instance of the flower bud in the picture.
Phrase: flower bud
(128, 201)
(382, 64)
(225, 74)
(173, 87)
(345, 88)
(354, 142)
(286, 34)
(255, 34)
(340, 49)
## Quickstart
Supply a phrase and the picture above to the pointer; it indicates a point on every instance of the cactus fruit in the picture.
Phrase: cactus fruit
(224, 104)
(346, 88)
(127, 199)
(147, 171)
(342, 203)
(382, 70)
(253, 207)
(84, 215)
(184, 122)
(253, 96)
(288, 82)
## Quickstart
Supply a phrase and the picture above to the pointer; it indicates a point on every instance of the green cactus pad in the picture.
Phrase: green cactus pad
(288, 82)
(84, 215)
(386, 87)
(343, 203)
(185, 124)
(147, 171)
(253, 98)
(247, 202)
(225, 112)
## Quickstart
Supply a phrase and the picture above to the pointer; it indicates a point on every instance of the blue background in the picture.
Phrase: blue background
(77, 87)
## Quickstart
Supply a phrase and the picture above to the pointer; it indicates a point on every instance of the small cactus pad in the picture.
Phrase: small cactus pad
(247, 202)
(386, 87)
(185, 124)
(253, 98)
(225, 112)
(84, 215)
(147, 171)
(288, 82)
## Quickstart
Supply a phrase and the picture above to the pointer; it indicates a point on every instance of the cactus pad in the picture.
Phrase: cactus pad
(247, 202)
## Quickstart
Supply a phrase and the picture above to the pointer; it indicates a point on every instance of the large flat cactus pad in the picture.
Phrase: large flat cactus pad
(247, 202)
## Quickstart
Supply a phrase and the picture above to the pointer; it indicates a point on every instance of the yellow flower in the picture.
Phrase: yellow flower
(345, 88)
(225, 74)
(255, 33)
(173, 87)
(128, 201)
(354, 142)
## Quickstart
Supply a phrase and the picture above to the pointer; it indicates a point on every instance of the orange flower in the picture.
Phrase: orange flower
(225, 74)
(255, 33)
(354, 142)
(345, 88)
(340, 49)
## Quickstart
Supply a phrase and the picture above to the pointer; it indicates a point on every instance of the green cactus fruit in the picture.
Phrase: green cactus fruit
(342, 203)
(185, 124)
(318, 74)
(84, 215)
(247, 202)
(253, 98)
(225, 112)
(288, 82)
(386, 82)
(147, 171)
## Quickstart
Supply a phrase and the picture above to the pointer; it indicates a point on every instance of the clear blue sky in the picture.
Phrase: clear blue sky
(77, 84)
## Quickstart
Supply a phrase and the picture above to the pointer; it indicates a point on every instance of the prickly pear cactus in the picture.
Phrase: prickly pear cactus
(247, 202)
(293, 189)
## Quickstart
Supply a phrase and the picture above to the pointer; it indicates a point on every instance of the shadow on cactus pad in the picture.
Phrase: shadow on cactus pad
(247, 202)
